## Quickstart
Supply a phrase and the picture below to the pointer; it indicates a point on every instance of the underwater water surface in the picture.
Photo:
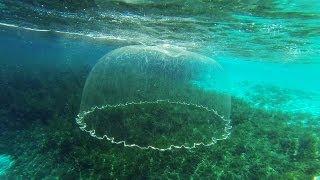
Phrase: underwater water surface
(160, 89)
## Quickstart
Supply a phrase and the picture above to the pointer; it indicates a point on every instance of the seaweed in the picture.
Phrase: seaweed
(263, 144)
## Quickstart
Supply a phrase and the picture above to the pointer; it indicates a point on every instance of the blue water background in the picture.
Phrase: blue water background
(32, 51)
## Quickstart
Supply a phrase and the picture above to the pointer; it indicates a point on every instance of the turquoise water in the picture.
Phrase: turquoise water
(5, 164)
(270, 50)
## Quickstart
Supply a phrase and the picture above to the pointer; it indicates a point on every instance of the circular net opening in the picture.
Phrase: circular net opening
(156, 97)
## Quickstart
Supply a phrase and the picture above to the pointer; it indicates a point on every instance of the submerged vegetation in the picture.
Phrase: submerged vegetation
(262, 143)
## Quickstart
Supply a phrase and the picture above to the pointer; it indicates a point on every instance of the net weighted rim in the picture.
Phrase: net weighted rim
(83, 126)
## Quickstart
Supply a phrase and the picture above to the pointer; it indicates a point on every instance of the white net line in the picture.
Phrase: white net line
(83, 126)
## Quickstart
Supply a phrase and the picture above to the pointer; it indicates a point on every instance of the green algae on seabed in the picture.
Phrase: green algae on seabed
(262, 144)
